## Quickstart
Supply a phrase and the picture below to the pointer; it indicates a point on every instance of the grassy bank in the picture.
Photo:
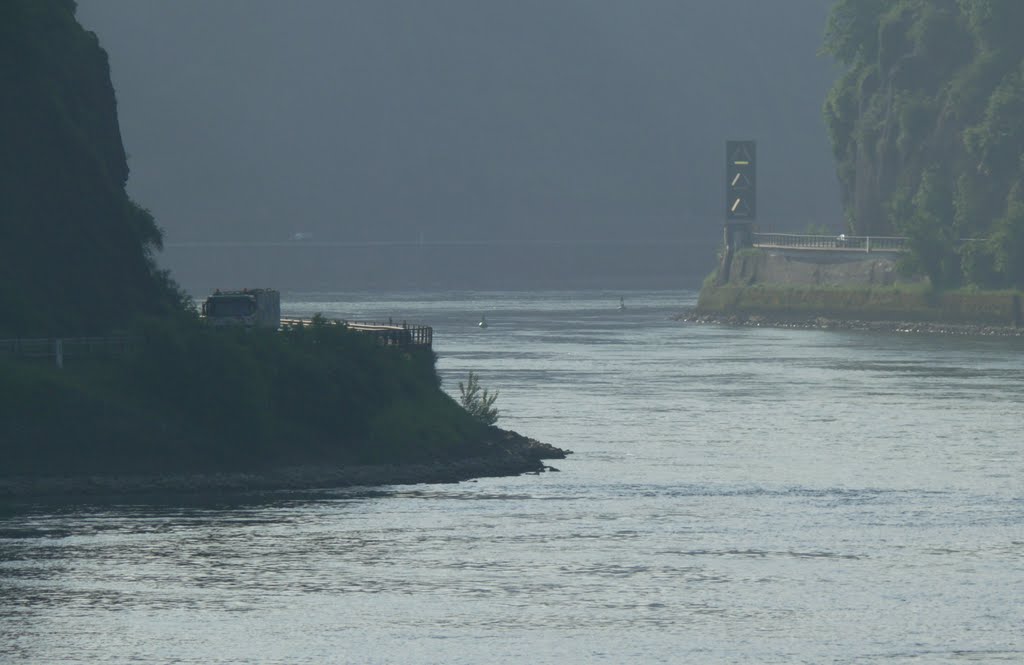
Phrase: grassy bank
(916, 302)
(191, 398)
(785, 286)
(848, 286)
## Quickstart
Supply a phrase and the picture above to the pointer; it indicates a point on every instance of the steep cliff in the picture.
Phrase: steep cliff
(927, 126)
(75, 250)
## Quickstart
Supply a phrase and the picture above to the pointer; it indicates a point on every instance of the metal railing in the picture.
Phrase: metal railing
(60, 348)
(841, 242)
(386, 334)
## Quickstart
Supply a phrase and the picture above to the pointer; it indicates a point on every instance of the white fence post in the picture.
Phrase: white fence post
(58, 352)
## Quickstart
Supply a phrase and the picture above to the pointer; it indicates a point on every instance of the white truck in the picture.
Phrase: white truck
(251, 308)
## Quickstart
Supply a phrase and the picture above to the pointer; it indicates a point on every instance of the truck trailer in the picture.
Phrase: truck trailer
(250, 308)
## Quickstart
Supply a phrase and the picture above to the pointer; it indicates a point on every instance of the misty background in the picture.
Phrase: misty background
(463, 143)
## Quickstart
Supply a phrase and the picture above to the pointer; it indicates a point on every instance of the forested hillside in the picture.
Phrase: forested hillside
(75, 250)
(927, 125)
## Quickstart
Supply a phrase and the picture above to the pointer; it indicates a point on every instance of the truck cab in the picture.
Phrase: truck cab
(250, 308)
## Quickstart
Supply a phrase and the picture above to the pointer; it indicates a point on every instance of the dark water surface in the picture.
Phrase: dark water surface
(737, 495)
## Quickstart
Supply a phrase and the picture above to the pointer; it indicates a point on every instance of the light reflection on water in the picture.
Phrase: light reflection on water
(737, 495)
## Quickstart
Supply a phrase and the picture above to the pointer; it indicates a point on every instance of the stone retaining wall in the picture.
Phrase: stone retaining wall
(848, 285)
(795, 267)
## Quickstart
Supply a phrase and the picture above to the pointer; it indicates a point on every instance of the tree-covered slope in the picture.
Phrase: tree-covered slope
(192, 398)
(75, 250)
(927, 126)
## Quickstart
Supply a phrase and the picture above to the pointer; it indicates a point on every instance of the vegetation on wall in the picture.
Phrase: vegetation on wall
(927, 126)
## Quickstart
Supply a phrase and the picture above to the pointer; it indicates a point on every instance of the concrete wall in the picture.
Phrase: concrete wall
(847, 285)
(831, 268)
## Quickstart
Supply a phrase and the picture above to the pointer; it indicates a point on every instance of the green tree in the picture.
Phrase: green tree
(478, 403)
(927, 224)
(851, 34)
(1007, 245)
(927, 127)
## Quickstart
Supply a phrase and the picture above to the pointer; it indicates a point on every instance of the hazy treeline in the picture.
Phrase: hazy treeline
(927, 125)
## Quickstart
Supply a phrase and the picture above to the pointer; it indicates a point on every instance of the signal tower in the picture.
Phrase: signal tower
(740, 192)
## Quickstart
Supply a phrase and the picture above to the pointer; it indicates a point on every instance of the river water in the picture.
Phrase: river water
(737, 495)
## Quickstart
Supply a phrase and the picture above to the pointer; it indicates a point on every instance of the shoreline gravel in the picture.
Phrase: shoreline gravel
(827, 323)
(512, 455)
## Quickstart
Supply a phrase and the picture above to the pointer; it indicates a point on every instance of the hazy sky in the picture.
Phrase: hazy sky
(387, 119)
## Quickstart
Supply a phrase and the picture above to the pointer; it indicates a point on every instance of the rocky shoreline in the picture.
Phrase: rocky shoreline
(826, 323)
(509, 454)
